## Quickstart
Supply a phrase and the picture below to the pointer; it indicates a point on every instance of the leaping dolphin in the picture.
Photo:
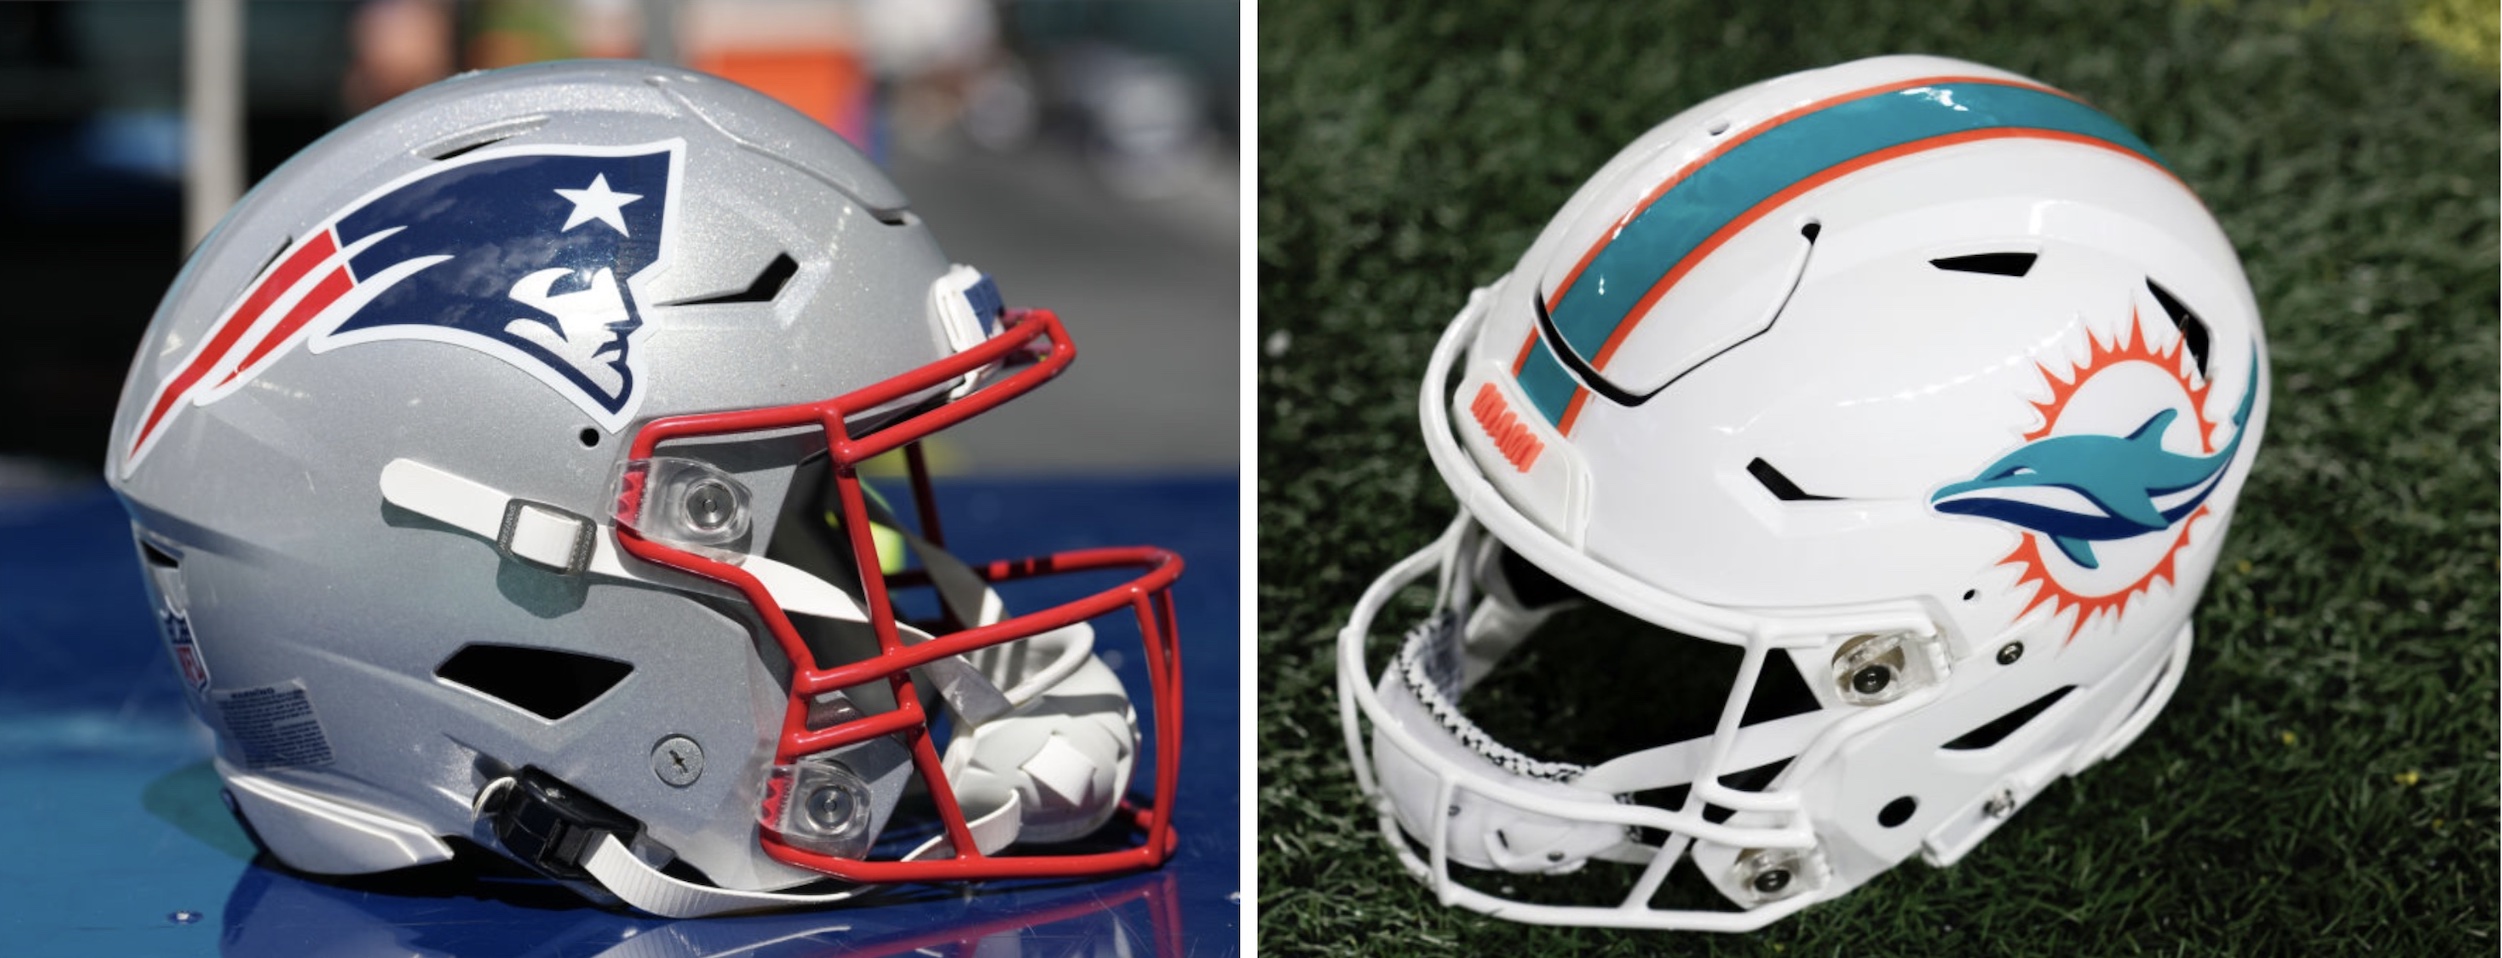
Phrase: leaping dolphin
(2133, 483)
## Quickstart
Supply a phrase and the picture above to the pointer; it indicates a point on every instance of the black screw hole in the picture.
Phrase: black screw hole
(1771, 882)
(590, 438)
(1897, 811)
(1971, 594)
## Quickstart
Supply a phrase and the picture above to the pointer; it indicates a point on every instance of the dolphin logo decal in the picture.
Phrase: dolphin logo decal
(2132, 485)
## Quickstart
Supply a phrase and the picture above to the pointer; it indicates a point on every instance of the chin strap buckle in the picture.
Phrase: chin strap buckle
(552, 826)
(545, 536)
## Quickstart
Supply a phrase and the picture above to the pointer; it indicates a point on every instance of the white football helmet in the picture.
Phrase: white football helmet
(1912, 393)
(495, 468)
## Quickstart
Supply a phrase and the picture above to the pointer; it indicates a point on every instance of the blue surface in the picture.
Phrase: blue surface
(121, 847)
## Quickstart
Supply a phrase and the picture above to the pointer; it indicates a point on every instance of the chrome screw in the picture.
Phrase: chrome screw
(2000, 805)
(831, 808)
(2010, 652)
(708, 505)
(678, 760)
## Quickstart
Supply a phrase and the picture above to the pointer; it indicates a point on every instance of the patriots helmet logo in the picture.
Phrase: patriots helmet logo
(534, 255)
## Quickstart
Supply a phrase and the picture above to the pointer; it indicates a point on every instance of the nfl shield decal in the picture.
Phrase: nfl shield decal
(185, 650)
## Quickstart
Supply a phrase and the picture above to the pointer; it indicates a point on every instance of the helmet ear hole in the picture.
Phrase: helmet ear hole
(590, 438)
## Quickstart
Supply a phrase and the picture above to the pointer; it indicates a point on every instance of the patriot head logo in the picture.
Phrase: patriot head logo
(535, 255)
(2110, 484)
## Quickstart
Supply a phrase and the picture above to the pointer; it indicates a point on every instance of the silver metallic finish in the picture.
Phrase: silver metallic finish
(297, 571)
(1764, 875)
(835, 808)
(678, 760)
(2000, 805)
(708, 506)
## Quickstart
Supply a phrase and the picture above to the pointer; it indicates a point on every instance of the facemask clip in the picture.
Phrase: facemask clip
(821, 805)
(686, 503)
(1880, 668)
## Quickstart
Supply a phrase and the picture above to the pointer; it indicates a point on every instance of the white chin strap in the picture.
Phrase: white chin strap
(1038, 752)
(1420, 692)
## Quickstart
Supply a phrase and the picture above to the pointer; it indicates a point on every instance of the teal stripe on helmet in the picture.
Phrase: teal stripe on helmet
(1545, 382)
(1754, 171)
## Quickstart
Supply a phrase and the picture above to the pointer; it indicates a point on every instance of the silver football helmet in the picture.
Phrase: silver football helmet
(494, 465)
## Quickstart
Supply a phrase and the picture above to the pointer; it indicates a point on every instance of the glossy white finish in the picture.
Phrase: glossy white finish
(1872, 379)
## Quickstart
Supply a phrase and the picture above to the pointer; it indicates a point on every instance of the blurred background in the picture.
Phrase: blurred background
(1083, 152)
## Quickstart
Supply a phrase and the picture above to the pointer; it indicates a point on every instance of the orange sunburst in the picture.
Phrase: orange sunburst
(2028, 553)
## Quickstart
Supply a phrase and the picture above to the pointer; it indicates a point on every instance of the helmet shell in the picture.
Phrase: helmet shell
(294, 573)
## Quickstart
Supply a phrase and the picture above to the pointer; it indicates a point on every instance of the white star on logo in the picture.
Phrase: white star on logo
(598, 202)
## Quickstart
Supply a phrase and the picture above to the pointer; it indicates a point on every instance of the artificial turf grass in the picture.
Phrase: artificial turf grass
(2324, 781)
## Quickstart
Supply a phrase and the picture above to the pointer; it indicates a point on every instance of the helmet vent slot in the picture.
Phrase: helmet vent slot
(2193, 330)
(1780, 485)
(768, 285)
(274, 253)
(2005, 725)
(479, 138)
(1995, 264)
(548, 683)
(1582, 371)
(467, 147)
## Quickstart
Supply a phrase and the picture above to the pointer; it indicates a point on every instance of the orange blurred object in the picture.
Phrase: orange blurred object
(396, 46)
(831, 84)
(809, 54)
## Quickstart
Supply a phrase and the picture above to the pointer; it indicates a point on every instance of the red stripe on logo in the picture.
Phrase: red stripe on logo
(1512, 438)
(223, 336)
(332, 287)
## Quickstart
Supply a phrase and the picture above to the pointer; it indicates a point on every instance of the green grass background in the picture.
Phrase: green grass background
(2325, 781)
